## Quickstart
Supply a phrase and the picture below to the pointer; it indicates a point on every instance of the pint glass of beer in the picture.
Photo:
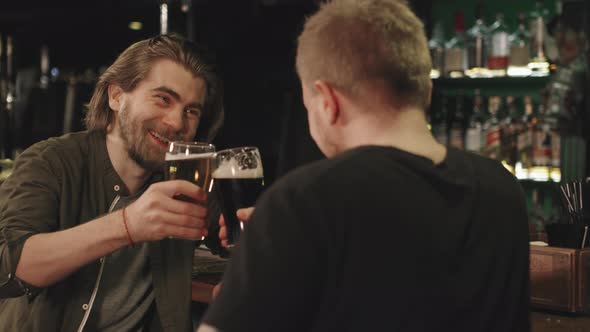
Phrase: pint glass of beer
(239, 180)
(190, 161)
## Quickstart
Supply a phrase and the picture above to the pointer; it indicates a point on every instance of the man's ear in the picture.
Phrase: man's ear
(115, 92)
(429, 100)
(329, 105)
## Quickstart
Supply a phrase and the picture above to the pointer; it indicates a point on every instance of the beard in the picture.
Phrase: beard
(139, 147)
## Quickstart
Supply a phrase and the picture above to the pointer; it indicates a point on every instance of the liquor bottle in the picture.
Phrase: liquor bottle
(436, 44)
(552, 120)
(555, 147)
(541, 139)
(512, 126)
(537, 217)
(439, 122)
(492, 129)
(537, 23)
(474, 138)
(477, 39)
(457, 130)
(525, 136)
(519, 49)
(499, 48)
(456, 50)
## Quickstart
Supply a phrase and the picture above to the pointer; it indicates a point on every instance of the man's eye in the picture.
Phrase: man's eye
(193, 112)
(164, 99)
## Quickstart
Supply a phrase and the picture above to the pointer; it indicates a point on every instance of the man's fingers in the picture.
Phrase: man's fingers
(186, 233)
(188, 208)
(223, 233)
(215, 291)
(167, 218)
(221, 221)
(174, 188)
(245, 213)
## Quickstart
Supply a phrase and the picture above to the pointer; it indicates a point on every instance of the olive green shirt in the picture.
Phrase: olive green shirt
(61, 183)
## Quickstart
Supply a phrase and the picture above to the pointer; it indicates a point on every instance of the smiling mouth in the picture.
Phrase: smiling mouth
(159, 138)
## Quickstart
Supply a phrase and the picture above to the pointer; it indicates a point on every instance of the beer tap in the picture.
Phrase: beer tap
(10, 93)
(164, 17)
(3, 112)
(8, 98)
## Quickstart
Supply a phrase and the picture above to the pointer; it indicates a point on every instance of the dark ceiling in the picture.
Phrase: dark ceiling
(91, 33)
(87, 33)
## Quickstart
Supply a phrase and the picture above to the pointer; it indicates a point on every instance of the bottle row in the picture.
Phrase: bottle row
(494, 50)
(516, 131)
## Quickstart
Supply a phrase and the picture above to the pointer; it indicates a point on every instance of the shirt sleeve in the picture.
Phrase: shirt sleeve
(29, 201)
(273, 278)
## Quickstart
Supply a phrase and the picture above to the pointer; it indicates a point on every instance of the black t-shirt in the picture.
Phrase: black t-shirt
(379, 239)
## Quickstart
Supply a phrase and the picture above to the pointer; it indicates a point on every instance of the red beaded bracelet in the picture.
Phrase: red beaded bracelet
(127, 229)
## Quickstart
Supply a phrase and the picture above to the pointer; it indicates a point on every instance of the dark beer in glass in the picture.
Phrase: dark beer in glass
(239, 180)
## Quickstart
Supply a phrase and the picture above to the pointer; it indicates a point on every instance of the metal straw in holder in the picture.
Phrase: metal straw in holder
(573, 196)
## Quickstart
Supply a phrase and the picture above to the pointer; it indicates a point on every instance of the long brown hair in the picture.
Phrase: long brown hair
(134, 64)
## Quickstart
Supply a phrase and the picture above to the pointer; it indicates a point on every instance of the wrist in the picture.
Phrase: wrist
(130, 240)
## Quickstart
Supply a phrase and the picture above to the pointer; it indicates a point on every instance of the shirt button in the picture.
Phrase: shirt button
(117, 187)
(85, 306)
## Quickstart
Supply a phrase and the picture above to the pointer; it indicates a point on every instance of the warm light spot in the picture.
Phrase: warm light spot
(135, 25)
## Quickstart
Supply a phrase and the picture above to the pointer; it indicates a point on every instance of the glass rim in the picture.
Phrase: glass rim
(208, 147)
(238, 148)
(191, 143)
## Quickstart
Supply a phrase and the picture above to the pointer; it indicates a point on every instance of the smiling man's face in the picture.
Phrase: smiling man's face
(166, 105)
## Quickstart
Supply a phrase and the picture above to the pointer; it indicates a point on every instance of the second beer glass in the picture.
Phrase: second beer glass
(239, 179)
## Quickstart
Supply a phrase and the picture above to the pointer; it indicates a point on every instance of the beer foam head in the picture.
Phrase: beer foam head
(230, 169)
(181, 156)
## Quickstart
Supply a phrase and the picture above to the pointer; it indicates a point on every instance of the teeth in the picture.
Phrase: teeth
(159, 137)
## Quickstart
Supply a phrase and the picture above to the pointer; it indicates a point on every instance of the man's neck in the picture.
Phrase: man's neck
(406, 130)
(133, 175)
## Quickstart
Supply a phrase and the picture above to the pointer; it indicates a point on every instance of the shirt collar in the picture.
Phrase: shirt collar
(111, 179)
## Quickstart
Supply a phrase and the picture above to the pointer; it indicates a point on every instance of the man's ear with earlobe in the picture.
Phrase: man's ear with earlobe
(429, 100)
(329, 103)
(115, 92)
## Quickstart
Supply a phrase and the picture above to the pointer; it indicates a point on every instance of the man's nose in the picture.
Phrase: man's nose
(175, 119)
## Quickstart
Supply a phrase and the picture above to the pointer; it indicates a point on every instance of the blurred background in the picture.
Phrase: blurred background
(53, 51)
(510, 82)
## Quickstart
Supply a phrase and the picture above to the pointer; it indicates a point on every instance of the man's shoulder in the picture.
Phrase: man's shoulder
(489, 169)
(490, 174)
(71, 149)
(67, 145)
(319, 173)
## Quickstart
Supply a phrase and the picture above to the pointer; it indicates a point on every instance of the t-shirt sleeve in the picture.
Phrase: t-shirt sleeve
(275, 271)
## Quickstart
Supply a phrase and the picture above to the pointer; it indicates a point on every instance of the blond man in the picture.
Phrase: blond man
(394, 231)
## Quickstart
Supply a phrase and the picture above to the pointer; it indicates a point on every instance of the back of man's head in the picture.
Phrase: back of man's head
(352, 43)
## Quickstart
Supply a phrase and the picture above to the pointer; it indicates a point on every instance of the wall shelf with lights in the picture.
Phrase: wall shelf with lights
(492, 86)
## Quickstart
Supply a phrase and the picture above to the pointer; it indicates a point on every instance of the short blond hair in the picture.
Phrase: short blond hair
(134, 65)
(348, 42)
